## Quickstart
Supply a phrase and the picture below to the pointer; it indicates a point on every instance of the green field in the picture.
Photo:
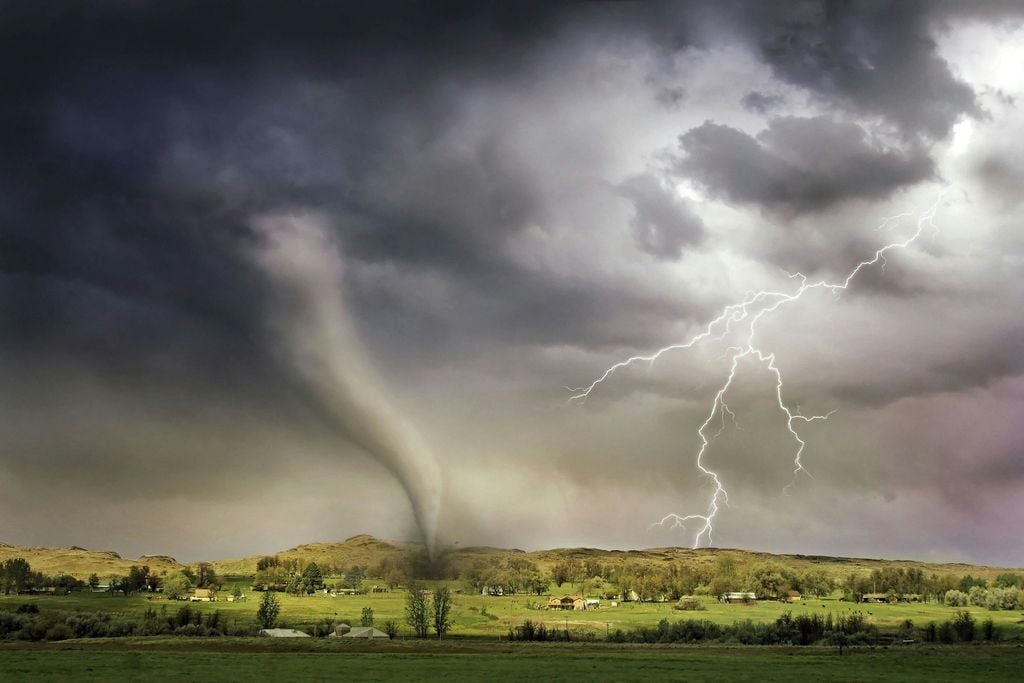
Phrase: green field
(491, 617)
(228, 659)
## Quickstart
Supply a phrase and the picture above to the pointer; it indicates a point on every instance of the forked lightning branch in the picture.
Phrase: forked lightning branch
(742, 320)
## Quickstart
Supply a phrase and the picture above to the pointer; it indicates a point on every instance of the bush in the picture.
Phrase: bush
(689, 603)
(963, 624)
(1004, 598)
(58, 632)
(955, 598)
(989, 631)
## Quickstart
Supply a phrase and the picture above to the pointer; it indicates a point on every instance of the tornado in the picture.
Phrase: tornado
(319, 341)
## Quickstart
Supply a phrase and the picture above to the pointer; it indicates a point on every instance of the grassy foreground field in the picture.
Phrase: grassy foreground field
(232, 659)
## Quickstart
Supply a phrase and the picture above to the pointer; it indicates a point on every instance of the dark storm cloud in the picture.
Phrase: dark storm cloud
(798, 165)
(662, 223)
(761, 103)
(868, 57)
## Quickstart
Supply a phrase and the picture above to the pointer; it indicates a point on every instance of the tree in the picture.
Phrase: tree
(1009, 580)
(391, 628)
(312, 577)
(767, 580)
(442, 611)
(267, 562)
(15, 574)
(206, 577)
(176, 585)
(817, 583)
(561, 573)
(137, 578)
(367, 618)
(94, 581)
(417, 611)
(354, 576)
(269, 608)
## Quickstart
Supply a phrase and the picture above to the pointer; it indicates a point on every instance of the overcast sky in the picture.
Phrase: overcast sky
(273, 273)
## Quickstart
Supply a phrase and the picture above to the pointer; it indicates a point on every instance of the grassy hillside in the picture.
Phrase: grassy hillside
(369, 551)
(80, 562)
(363, 550)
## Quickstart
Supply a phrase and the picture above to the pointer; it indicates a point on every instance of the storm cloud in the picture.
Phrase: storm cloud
(798, 165)
(523, 194)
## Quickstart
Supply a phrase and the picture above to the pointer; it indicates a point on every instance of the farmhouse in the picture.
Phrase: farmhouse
(567, 602)
(203, 595)
(793, 596)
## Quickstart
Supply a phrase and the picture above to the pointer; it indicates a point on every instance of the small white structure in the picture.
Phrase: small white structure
(283, 633)
(366, 632)
(339, 630)
(592, 603)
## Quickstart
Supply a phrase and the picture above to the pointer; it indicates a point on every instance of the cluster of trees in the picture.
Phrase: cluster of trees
(806, 629)
(574, 571)
(424, 611)
(181, 583)
(767, 579)
(291, 576)
(510, 574)
(957, 591)
(16, 576)
(995, 598)
(28, 622)
(961, 628)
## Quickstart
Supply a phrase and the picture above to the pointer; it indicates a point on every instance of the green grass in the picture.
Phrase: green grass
(228, 659)
(486, 616)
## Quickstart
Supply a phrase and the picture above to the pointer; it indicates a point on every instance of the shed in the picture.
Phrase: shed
(367, 633)
(283, 633)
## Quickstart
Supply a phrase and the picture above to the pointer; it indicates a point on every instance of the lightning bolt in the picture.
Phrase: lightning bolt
(747, 315)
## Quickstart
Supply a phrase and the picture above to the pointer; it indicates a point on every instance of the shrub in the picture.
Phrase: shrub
(689, 603)
(989, 631)
(955, 598)
(963, 624)
(58, 632)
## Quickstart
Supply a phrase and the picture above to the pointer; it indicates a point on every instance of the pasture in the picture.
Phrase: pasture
(479, 616)
(228, 659)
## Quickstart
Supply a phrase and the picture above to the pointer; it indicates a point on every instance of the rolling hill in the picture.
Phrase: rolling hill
(80, 562)
(369, 551)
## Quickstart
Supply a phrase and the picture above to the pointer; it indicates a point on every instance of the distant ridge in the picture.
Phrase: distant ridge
(80, 562)
(370, 551)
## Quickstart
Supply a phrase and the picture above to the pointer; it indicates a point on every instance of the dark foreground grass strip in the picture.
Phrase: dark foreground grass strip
(725, 664)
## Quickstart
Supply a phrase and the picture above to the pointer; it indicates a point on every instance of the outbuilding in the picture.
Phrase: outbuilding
(367, 633)
(283, 633)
